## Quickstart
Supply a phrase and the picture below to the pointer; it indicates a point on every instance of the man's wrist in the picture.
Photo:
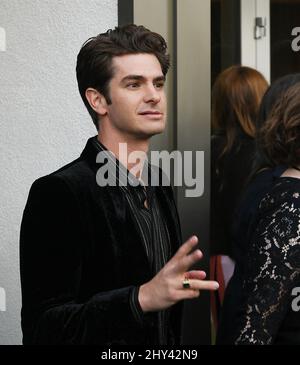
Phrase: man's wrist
(143, 318)
(143, 299)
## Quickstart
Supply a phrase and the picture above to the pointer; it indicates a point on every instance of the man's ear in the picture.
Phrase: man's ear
(97, 101)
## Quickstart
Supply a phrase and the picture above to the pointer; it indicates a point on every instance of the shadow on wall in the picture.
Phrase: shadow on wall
(2, 300)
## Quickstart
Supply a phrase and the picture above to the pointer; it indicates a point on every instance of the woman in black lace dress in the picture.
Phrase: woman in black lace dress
(258, 301)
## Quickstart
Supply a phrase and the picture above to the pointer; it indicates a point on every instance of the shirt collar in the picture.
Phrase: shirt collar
(121, 171)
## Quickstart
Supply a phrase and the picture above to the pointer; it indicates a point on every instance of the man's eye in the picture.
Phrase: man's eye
(133, 85)
(159, 85)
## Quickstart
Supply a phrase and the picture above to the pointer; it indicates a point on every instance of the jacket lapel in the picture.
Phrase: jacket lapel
(126, 238)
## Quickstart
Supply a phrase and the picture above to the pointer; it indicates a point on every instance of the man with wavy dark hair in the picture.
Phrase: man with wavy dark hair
(102, 263)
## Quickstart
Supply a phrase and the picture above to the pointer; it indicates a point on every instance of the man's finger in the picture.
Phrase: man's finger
(195, 274)
(203, 284)
(187, 247)
(188, 261)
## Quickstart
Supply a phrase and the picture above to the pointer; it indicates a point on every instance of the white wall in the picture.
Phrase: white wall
(43, 122)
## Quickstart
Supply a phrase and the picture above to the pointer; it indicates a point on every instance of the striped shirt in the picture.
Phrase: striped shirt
(145, 206)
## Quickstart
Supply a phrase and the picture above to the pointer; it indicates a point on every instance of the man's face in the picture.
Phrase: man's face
(137, 93)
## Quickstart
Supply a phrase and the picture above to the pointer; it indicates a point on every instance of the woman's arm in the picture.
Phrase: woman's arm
(272, 272)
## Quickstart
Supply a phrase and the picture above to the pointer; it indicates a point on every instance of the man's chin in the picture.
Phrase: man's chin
(151, 133)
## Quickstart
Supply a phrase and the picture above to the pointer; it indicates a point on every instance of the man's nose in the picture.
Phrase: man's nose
(152, 95)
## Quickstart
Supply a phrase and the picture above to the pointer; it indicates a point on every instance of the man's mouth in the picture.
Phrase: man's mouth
(150, 112)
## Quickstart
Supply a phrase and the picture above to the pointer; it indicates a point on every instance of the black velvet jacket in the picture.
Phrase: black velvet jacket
(81, 256)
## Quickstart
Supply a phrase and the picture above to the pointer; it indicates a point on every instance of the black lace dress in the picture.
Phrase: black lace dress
(260, 306)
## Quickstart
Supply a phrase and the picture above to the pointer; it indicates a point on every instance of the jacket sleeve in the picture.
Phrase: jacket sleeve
(51, 243)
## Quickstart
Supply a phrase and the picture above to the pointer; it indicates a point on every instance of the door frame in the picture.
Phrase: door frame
(256, 53)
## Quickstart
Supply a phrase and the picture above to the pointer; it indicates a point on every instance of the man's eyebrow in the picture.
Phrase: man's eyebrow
(141, 78)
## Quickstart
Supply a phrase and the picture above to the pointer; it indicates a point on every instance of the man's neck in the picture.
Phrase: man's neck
(122, 146)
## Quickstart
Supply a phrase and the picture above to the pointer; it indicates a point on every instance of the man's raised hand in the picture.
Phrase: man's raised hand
(174, 282)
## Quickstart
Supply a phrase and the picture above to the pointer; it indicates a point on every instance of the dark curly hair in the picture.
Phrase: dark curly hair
(279, 137)
(94, 61)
